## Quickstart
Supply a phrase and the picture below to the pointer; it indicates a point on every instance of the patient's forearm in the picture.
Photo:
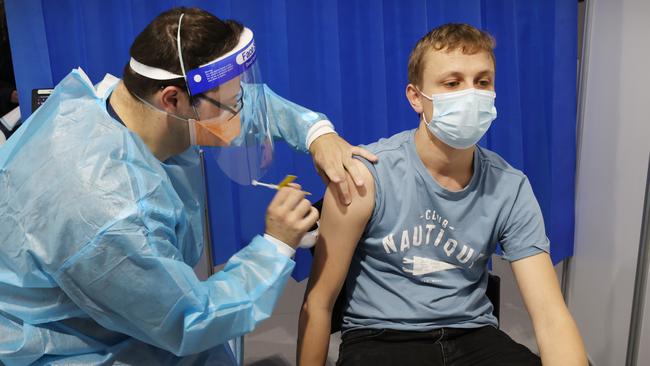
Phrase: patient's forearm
(560, 342)
(313, 336)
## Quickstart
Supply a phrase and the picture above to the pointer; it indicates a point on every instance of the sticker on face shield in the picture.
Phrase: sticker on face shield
(210, 76)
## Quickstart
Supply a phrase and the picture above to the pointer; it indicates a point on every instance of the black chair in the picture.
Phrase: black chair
(493, 291)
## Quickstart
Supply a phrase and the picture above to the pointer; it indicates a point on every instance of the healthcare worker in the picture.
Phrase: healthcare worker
(101, 197)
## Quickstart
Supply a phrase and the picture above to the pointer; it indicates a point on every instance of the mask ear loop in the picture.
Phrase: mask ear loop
(180, 58)
(430, 99)
(144, 101)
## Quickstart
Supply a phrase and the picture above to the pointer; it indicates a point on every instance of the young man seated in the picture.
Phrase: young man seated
(413, 246)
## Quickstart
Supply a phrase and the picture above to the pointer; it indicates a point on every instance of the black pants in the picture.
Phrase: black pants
(445, 347)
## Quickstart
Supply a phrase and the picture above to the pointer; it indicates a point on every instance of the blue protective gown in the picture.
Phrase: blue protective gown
(98, 239)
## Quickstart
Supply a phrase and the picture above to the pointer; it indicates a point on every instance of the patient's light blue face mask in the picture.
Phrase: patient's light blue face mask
(461, 118)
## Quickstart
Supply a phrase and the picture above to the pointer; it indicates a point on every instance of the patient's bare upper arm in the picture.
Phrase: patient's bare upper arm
(340, 229)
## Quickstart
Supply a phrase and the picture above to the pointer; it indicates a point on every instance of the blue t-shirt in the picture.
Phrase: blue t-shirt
(421, 263)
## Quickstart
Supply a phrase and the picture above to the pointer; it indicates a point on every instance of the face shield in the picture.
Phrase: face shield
(231, 114)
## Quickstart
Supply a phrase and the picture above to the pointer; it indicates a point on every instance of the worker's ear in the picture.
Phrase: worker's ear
(171, 97)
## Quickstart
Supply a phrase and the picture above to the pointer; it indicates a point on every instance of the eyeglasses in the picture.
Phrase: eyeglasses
(234, 110)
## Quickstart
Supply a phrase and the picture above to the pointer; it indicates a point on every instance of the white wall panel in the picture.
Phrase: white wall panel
(613, 156)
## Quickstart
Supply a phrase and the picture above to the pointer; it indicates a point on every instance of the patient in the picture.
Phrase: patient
(412, 248)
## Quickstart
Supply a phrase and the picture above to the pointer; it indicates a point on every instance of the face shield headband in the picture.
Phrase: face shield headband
(207, 76)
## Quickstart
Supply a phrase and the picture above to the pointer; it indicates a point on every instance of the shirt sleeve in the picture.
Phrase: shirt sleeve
(134, 283)
(524, 234)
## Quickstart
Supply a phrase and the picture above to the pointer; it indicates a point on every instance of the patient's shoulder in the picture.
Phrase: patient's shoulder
(389, 144)
(362, 196)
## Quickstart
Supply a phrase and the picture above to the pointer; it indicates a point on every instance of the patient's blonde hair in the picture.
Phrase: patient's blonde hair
(448, 37)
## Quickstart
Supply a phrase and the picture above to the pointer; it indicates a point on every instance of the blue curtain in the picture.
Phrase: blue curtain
(348, 60)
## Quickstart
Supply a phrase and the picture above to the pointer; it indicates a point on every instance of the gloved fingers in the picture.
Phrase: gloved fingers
(323, 176)
(293, 197)
(283, 194)
(352, 168)
(300, 211)
(295, 185)
(308, 221)
(342, 191)
(360, 151)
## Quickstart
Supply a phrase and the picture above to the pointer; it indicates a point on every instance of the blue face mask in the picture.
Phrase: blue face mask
(461, 118)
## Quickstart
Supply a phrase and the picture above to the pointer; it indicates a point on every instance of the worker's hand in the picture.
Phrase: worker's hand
(333, 160)
(289, 215)
(14, 97)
